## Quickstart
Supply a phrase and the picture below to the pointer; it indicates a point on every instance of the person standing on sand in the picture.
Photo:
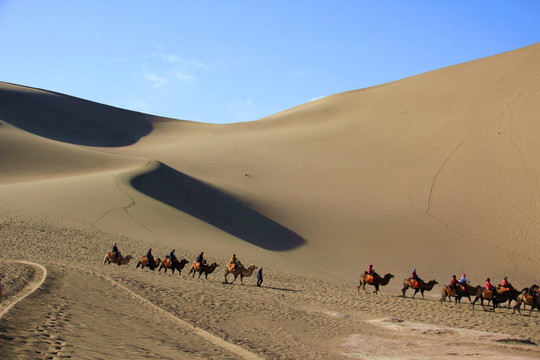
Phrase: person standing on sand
(259, 277)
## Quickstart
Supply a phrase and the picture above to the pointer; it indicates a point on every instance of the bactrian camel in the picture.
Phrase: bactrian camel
(374, 280)
(240, 270)
(202, 268)
(120, 260)
(417, 285)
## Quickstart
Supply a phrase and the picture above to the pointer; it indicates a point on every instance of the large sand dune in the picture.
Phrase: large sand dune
(438, 172)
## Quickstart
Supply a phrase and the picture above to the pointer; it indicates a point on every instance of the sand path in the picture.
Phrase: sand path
(84, 309)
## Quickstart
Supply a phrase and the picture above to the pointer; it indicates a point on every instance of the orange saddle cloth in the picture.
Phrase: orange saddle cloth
(230, 267)
(167, 262)
(197, 266)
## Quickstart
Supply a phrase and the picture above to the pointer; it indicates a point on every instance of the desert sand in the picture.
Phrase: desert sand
(438, 172)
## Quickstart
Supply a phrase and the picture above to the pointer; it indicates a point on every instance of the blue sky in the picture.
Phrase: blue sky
(232, 61)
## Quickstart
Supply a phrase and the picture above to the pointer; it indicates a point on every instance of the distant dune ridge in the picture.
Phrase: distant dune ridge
(438, 171)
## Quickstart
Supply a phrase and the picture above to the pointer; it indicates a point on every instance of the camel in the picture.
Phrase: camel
(207, 269)
(527, 299)
(422, 286)
(144, 262)
(502, 297)
(240, 270)
(175, 265)
(374, 280)
(459, 293)
(121, 260)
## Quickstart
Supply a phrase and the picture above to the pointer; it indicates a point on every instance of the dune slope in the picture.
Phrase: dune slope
(438, 171)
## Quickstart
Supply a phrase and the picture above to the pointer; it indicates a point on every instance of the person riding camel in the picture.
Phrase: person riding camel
(505, 284)
(150, 258)
(116, 252)
(453, 283)
(534, 292)
(490, 287)
(464, 282)
(172, 257)
(200, 259)
(415, 278)
(234, 262)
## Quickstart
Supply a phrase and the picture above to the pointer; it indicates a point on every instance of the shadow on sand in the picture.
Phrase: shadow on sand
(216, 208)
(69, 119)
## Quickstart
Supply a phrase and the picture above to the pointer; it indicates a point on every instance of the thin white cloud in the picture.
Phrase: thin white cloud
(156, 80)
(183, 77)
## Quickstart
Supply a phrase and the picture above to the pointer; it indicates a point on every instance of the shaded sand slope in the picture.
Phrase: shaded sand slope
(437, 171)
(69, 119)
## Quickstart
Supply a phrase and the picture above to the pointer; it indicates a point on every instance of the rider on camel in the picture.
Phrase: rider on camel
(172, 257)
(234, 261)
(463, 281)
(505, 284)
(453, 283)
(150, 258)
(200, 259)
(116, 252)
(490, 287)
(415, 277)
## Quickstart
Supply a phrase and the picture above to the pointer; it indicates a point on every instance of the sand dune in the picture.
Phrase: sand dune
(437, 172)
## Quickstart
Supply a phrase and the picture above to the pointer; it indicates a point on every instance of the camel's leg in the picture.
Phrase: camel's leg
(404, 289)
(235, 276)
(226, 273)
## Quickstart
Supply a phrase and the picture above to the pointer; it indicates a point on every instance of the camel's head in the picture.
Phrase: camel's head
(252, 266)
(129, 257)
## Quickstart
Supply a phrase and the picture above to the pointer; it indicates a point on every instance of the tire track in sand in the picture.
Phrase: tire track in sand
(30, 288)
(216, 340)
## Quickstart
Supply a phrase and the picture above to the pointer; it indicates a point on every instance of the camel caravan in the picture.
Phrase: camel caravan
(457, 289)
(171, 262)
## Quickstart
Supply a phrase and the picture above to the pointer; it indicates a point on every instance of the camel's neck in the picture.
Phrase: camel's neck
(430, 285)
(248, 271)
(385, 280)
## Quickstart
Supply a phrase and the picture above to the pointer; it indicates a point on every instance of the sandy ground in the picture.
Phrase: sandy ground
(87, 310)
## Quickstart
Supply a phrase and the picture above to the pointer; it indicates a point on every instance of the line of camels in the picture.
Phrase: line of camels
(501, 295)
(178, 265)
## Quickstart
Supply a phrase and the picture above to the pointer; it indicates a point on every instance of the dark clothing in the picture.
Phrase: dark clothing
(259, 277)
(200, 259)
